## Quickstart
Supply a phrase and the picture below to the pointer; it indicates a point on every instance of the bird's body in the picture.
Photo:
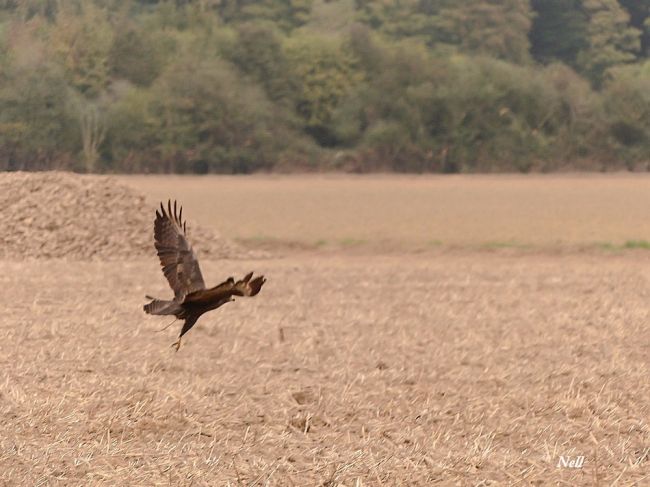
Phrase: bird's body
(181, 268)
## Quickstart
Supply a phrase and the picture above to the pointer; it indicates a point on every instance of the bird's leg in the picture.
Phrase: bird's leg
(177, 344)
(163, 329)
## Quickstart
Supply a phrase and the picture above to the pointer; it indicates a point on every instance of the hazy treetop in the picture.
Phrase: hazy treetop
(361, 85)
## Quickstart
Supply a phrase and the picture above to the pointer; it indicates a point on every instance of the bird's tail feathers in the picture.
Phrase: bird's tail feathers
(161, 307)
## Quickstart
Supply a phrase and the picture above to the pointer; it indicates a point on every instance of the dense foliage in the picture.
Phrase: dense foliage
(236, 86)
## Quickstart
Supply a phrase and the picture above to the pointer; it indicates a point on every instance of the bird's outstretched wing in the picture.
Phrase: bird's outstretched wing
(244, 287)
(179, 264)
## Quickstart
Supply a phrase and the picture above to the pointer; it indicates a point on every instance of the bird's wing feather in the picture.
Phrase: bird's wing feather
(248, 286)
(244, 287)
(178, 261)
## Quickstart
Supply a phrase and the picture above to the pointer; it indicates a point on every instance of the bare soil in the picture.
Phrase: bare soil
(446, 367)
(388, 212)
(65, 215)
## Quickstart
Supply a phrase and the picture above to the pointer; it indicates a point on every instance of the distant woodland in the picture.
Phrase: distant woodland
(239, 86)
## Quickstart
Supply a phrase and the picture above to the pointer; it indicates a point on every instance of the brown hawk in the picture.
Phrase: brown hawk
(181, 268)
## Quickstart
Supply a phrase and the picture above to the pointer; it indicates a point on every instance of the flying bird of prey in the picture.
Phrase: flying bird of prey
(181, 268)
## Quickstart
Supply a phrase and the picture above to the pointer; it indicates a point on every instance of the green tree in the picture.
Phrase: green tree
(559, 30)
(211, 121)
(497, 28)
(627, 103)
(385, 115)
(639, 11)
(132, 136)
(259, 54)
(244, 85)
(37, 130)
(400, 19)
(331, 17)
(92, 125)
(286, 14)
(135, 56)
(82, 43)
(611, 41)
(326, 72)
(575, 120)
(28, 9)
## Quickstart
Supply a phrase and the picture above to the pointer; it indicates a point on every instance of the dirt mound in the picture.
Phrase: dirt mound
(56, 214)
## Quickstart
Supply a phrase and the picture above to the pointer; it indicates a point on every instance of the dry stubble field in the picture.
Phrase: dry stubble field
(390, 212)
(458, 365)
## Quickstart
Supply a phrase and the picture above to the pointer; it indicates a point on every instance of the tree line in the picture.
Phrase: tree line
(237, 86)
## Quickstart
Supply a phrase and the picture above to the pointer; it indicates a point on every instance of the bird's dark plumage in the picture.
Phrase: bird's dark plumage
(181, 268)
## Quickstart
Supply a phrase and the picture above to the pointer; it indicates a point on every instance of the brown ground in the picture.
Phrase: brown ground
(65, 215)
(417, 212)
(455, 367)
